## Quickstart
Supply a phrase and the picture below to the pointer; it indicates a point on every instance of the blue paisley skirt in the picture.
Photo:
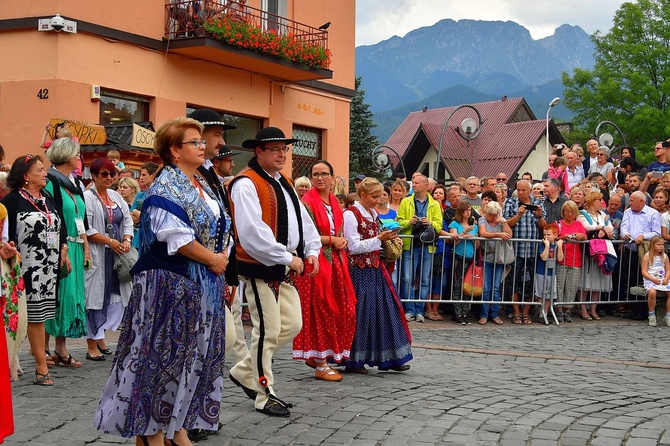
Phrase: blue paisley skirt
(168, 368)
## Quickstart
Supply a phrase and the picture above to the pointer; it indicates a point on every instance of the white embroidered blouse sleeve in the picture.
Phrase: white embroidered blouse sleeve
(356, 245)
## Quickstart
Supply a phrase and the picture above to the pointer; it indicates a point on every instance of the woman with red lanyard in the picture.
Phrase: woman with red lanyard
(35, 228)
(110, 231)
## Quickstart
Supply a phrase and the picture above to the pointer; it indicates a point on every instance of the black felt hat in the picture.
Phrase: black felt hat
(225, 151)
(268, 134)
(208, 117)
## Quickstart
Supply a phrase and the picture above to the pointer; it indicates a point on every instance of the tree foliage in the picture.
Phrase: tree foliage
(361, 141)
(630, 81)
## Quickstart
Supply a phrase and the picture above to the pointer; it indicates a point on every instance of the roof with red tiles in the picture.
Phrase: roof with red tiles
(508, 134)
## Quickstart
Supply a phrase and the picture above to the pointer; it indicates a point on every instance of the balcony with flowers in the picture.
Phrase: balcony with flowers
(247, 38)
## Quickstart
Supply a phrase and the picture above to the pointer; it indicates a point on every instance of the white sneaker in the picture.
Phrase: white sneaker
(409, 317)
(419, 318)
(666, 320)
(652, 321)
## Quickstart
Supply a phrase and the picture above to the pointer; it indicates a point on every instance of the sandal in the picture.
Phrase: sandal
(50, 359)
(43, 379)
(595, 317)
(67, 362)
(527, 320)
(516, 320)
(497, 321)
(482, 321)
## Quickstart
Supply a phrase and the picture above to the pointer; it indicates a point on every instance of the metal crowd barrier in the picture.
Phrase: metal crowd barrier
(626, 278)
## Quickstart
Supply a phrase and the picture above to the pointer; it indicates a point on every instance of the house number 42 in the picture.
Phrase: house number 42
(43, 93)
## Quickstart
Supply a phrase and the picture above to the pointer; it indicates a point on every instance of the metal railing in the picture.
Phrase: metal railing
(186, 19)
(445, 276)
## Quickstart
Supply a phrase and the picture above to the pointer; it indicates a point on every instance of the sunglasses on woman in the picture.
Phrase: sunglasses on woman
(107, 174)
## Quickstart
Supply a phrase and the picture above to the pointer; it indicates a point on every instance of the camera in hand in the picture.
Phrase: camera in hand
(530, 207)
(471, 221)
(665, 144)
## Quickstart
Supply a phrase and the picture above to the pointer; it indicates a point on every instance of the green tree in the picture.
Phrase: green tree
(630, 82)
(361, 140)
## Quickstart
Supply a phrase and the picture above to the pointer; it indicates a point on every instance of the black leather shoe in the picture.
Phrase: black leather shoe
(249, 392)
(197, 434)
(95, 358)
(274, 409)
(105, 351)
(395, 368)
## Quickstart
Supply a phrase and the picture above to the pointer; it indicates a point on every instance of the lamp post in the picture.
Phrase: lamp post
(607, 139)
(554, 102)
(382, 161)
(468, 130)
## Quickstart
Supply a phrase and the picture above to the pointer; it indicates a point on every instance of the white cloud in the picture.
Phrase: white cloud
(378, 20)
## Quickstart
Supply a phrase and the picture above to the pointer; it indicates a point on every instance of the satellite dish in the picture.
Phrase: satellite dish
(606, 139)
(468, 125)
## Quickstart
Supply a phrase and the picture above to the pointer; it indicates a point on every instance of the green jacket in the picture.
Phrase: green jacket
(406, 211)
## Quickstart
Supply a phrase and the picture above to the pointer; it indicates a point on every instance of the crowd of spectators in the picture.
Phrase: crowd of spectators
(584, 195)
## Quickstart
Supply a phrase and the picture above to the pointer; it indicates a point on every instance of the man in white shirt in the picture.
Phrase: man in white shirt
(274, 233)
(575, 171)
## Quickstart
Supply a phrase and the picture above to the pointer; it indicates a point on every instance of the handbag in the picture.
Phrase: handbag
(428, 235)
(504, 252)
(391, 251)
(473, 280)
(124, 262)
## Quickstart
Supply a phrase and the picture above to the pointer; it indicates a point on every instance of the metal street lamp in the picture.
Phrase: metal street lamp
(607, 139)
(383, 162)
(468, 130)
(554, 102)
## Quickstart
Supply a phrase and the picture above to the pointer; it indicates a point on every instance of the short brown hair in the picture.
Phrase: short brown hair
(171, 133)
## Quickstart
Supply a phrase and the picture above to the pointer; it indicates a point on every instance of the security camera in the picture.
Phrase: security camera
(57, 23)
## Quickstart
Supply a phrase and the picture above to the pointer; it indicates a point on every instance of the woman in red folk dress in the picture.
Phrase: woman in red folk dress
(6, 418)
(328, 300)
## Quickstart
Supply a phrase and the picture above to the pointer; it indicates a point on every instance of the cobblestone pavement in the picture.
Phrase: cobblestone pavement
(586, 383)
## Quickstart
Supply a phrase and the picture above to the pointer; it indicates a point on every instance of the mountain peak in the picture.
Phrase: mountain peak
(492, 58)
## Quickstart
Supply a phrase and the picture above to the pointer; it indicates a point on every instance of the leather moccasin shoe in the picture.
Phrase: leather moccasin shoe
(274, 409)
(327, 375)
(249, 392)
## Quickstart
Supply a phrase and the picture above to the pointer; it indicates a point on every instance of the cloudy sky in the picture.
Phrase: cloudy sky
(377, 20)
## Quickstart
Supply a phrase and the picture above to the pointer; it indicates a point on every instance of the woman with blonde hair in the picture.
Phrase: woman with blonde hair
(492, 226)
(382, 337)
(398, 192)
(302, 186)
(128, 188)
(593, 281)
(577, 196)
